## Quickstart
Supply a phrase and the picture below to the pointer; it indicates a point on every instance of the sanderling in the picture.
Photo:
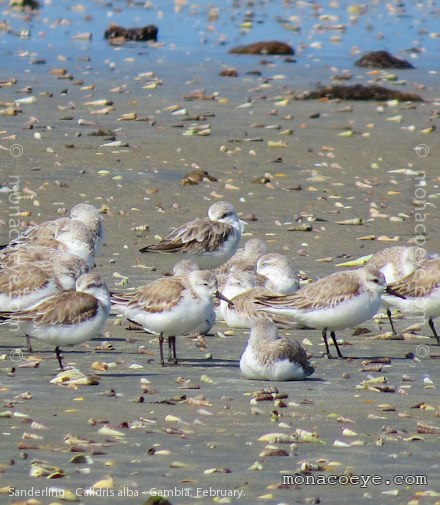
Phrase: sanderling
(209, 241)
(84, 218)
(21, 286)
(183, 267)
(395, 263)
(71, 236)
(245, 258)
(237, 284)
(419, 293)
(335, 302)
(90, 217)
(170, 306)
(275, 273)
(48, 251)
(269, 356)
(68, 317)
(83, 229)
(43, 231)
(80, 242)
(398, 261)
(242, 289)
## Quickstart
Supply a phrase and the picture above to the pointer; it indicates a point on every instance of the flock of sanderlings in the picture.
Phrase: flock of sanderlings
(48, 292)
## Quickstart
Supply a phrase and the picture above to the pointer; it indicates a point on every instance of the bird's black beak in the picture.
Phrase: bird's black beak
(393, 292)
(222, 297)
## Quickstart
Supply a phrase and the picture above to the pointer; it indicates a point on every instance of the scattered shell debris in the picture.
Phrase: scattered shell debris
(152, 112)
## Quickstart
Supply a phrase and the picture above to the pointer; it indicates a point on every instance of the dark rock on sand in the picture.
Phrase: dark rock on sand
(138, 34)
(382, 59)
(195, 177)
(228, 72)
(25, 4)
(361, 92)
(271, 47)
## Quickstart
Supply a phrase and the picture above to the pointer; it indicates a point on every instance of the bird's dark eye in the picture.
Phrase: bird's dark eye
(376, 281)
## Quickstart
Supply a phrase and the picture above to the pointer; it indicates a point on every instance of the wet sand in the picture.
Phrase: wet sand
(375, 174)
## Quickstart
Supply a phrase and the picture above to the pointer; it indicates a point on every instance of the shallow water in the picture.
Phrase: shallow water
(327, 32)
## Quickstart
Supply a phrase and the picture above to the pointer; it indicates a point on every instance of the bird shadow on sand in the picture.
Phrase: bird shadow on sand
(371, 358)
(209, 363)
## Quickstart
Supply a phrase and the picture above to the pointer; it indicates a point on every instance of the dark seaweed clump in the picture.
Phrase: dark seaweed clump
(361, 92)
(272, 47)
(138, 34)
(382, 59)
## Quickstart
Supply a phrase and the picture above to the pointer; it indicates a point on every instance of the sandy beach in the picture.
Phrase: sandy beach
(120, 127)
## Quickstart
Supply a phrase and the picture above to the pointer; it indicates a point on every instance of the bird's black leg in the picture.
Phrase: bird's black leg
(162, 362)
(431, 325)
(59, 357)
(28, 343)
(170, 348)
(332, 334)
(174, 351)
(327, 348)
(391, 321)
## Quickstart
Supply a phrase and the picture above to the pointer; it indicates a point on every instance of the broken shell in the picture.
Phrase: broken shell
(348, 433)
(110, 432)
(357, 262)
(100, 366)
(106, 483)
(130, 116)
(355, 221)
(307, 436)
(278, 143)
(216, 470)
(178, 464)
(206, 379)
(81, 459)
(276, 438)
(172, 419)
(98, 103)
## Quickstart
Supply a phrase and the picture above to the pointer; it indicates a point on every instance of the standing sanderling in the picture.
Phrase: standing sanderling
(419, 293)
(395, 263)
(68, 317)
(209, 241)
(171, 306)
(335, 302)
